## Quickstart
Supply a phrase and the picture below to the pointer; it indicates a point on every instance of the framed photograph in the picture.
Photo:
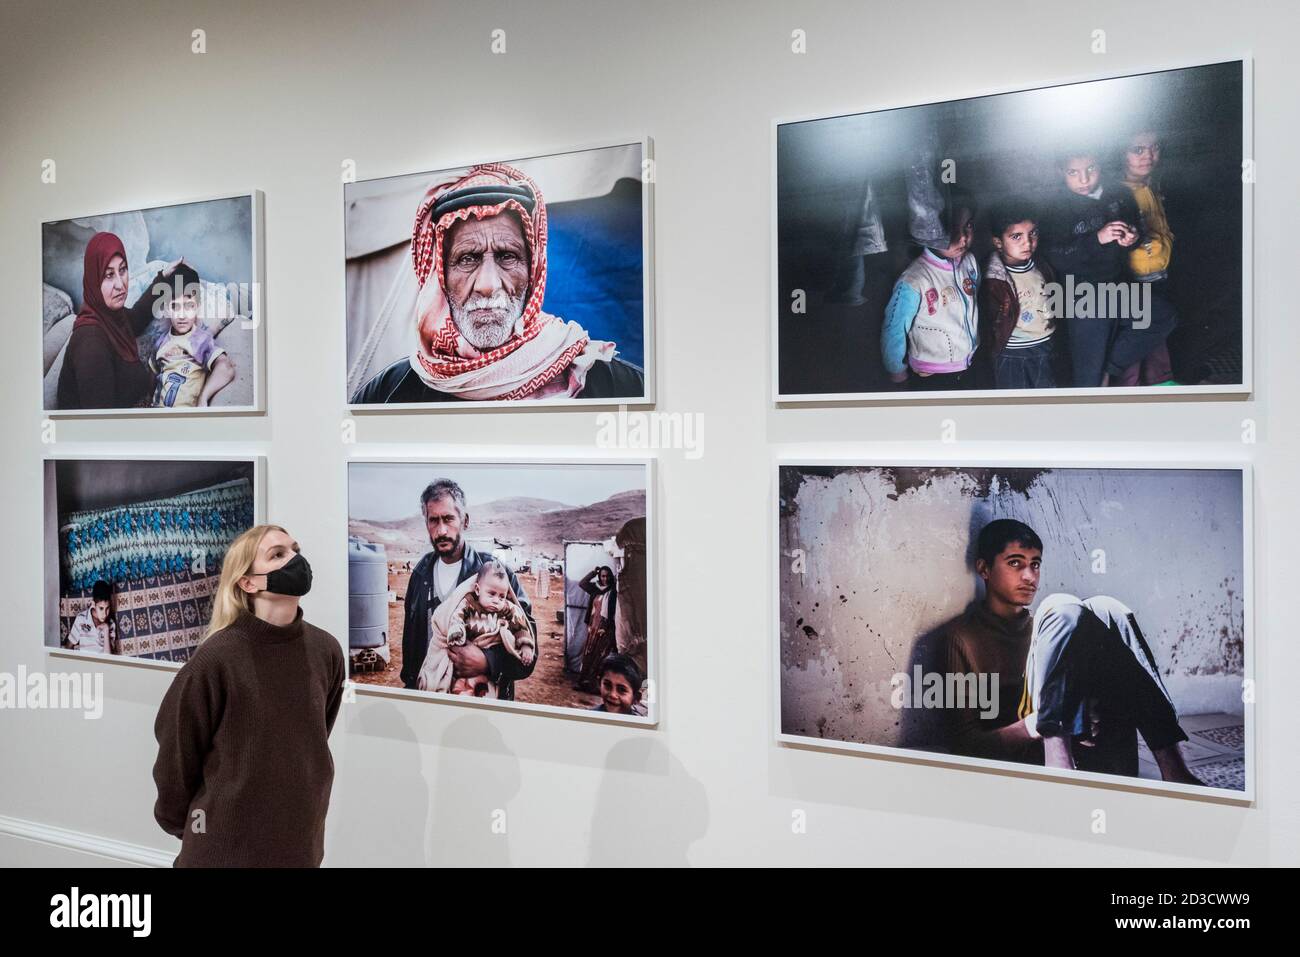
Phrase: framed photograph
(154, 311)
(133, 549)
(521, 583)
(1086, 239)
(1077, 621)
(499, 282)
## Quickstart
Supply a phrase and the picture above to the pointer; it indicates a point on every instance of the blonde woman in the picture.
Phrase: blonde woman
(244, 767)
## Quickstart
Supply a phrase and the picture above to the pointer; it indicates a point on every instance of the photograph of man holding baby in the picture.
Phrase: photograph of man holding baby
(450, 572)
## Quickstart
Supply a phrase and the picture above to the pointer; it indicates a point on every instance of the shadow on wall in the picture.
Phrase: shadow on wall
(383, 813)
(649, 809)
(923, 728)
(477, 778)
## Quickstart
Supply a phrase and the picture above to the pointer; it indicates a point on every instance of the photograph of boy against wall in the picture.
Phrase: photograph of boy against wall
(1020, 617)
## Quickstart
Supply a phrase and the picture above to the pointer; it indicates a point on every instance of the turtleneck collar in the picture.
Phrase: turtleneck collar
(263, 631)
(1017, 627)
(941, 261)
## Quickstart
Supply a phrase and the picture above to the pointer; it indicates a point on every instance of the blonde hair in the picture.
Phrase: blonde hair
(230, 599)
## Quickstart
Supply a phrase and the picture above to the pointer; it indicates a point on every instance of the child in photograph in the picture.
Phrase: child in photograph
(487, 617)
(1149, 261)
(190, 368)
(620, 686)
(1019, 335)
(94, 629)
(1092, 684)
(601, 585)
(1088, 682)
(931, 328)
(483, 611)
(864, 236)
(1091, 229)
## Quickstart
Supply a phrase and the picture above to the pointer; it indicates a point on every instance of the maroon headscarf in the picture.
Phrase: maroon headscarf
(114, 323)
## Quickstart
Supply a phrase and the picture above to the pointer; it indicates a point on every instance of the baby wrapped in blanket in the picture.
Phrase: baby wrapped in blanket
(482, 610)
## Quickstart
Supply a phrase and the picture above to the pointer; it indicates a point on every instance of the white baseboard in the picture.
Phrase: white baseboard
(79, 841)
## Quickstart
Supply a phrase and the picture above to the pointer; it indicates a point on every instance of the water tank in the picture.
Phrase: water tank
(367, 594)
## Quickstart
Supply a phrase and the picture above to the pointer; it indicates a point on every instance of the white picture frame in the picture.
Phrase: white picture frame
(654, 696)
(649, 286)
(257, 297)
(794, 398)
(1010, 769)
(50, 546)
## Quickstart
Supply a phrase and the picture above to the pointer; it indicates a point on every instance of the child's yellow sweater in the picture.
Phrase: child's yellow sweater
(1150, 258)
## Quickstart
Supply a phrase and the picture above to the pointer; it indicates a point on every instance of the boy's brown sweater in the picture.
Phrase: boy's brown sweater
(1000, 306)
(243, 737)
(979, 642)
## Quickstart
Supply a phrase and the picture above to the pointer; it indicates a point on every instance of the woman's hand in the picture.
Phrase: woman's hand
(171, 267)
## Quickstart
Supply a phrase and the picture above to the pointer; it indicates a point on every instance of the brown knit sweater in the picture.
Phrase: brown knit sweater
(243, 736)
(979, 642)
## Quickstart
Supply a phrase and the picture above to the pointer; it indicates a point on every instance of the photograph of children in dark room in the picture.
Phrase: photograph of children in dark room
(1078, 237)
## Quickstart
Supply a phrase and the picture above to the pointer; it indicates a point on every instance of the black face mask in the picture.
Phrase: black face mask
(292, 578)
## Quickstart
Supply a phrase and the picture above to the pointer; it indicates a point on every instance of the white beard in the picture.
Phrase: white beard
(487, 321)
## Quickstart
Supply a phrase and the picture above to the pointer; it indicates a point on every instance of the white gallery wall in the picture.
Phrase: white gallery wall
(286, 93)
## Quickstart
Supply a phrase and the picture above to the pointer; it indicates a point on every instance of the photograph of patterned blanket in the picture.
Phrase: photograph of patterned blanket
(133, 550)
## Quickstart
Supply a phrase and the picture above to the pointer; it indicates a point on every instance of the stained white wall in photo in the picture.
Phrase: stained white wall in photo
(887, 561)
(287, 93)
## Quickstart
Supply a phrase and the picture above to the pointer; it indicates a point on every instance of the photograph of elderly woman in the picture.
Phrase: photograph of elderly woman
(133, 550)
(1071, 619)
(1084, 237)
(152, 309)
(520, 280)
(514, 582)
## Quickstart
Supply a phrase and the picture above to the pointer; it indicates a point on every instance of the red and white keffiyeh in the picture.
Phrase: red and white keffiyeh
(545, 356)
